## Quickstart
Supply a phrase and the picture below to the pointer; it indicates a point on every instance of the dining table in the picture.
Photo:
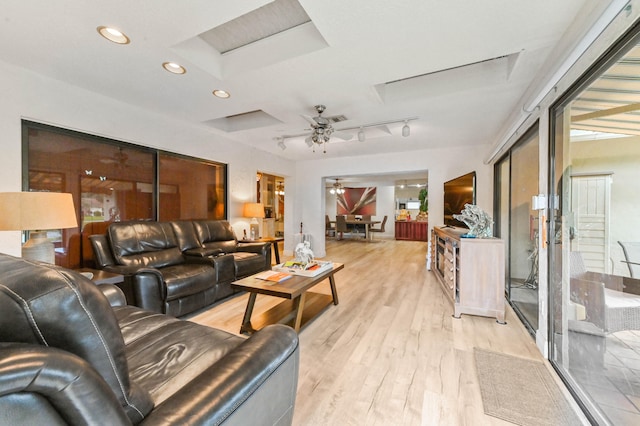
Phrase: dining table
(366, 222)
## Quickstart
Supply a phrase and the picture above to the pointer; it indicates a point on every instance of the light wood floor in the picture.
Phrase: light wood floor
(390, 353)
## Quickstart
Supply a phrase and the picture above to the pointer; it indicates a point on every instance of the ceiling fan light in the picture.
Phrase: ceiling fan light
(361, 135)
(406, 130)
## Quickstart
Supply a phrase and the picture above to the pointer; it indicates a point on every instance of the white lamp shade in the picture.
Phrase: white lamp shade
(21, 211)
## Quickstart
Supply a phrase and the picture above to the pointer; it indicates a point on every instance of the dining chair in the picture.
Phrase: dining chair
(631, 251)
(381, 229)
(341, 225)
(329, 229)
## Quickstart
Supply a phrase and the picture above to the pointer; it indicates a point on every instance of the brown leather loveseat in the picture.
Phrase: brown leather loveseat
(177, 267)
(72, 352)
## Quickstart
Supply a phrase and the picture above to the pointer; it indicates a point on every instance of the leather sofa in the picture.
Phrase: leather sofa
(177, 267)
(72, 352)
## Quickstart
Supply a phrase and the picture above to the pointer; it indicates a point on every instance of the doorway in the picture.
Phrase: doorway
(270, 192)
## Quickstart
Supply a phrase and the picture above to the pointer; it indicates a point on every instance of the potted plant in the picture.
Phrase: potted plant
(423, 196)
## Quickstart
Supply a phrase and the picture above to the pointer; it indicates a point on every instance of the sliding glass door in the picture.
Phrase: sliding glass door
(516, 184)
(594, 238)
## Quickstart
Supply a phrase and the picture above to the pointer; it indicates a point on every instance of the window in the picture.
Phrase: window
(113, 181)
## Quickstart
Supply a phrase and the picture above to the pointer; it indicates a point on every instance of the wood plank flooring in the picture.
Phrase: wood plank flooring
(390, 353)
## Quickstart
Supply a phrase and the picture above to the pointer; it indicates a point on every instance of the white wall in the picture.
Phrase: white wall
(442, 164)
(37, 98)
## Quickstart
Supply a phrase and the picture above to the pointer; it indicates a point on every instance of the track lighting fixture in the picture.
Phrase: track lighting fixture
(322, 132)
(406, 130)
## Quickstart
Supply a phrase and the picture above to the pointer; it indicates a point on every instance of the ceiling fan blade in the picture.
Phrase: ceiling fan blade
(342, 135)
(310, 120)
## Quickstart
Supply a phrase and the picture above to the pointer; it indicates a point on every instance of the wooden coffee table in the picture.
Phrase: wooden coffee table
(300, 307)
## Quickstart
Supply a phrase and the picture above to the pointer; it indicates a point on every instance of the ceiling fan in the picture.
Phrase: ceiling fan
(322, 130)
(119, 158)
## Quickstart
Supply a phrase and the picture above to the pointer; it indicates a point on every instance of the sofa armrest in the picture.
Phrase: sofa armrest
(631, 285)
(613, 282)
(253, 384)
(263, 249)
(114, 294)
(259, 248)
(144, 285)
(102, 255)
(55, 382)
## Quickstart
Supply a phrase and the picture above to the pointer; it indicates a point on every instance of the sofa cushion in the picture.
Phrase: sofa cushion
(186, 234)
(165, 353)
(143, 243)
(216, 234)
(187, 278)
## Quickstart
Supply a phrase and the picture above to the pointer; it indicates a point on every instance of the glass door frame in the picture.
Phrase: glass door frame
(555, 209)
(532, 132)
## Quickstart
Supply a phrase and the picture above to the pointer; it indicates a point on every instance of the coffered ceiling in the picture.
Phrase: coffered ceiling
(459, 68)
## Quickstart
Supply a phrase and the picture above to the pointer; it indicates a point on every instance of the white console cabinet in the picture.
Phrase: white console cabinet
(471, 272)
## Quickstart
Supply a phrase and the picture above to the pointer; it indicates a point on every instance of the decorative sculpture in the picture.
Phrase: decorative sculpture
(303, 252)
(477, 220)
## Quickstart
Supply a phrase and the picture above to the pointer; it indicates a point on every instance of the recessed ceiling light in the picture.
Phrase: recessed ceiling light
(221, 94)
(174, 68)
(113, 35)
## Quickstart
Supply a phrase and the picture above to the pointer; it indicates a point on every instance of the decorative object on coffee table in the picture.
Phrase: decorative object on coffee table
(303, 252)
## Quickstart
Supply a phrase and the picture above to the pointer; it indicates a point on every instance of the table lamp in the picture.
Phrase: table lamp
(37, 212)
(254, 211)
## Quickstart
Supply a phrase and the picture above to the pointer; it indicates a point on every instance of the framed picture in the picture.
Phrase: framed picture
(358, 201)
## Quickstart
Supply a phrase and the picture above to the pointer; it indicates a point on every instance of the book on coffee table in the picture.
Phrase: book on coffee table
(310, 269)
(273, 276)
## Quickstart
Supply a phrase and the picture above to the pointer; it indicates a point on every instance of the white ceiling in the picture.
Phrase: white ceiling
(343, 59)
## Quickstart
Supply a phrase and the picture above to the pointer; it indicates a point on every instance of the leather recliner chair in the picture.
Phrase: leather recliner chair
(72, 352)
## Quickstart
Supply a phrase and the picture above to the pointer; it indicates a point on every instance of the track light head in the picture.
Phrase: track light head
(281, 144)
(406, 130)
(361, 134)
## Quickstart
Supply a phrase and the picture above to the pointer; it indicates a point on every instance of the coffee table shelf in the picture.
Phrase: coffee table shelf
(285, 313)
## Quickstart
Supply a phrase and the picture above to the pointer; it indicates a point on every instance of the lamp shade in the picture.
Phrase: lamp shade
(253, 210)
(20, 211)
